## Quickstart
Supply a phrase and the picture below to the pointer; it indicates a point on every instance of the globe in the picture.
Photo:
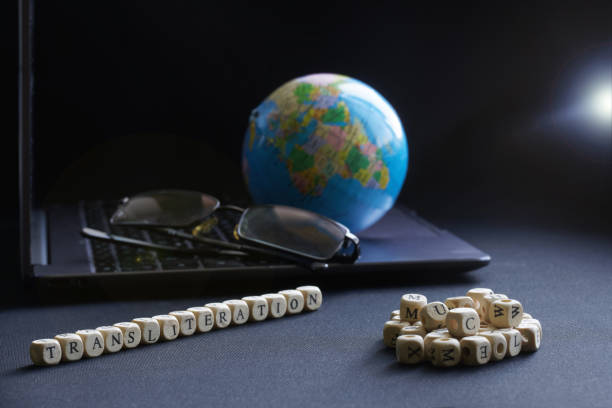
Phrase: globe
(327, 143)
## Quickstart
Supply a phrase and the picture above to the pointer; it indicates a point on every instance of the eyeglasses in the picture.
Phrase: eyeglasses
(270, 230)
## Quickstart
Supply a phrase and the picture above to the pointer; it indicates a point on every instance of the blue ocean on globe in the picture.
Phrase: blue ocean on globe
(327, 143)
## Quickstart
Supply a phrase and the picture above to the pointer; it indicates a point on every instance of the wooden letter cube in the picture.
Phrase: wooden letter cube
(409, 349)
(295, 300)
(394, 314)
(204, 318)
(313, 298)
(462, 322)
(527, 316)
(169, 326)
(187, 322)
(446, 352)
(477, 295)
(71, 345)
(113, 338)
(258, 307)
(277, 304)
(391, 331)
(433, 315)
(459, 301)
(499, 345)
(239, 309)
(413, 330)
(45, 352)
(222, 312)
(487, 301)
(430, 337)
(506, 313)
(93, 342)
(532, 321)
(531, 335)
(149, 328)
(131, 334)
(513, 339)
(475, 350)
(410, 307)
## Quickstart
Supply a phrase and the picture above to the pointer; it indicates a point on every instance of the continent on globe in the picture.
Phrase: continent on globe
(327, 143)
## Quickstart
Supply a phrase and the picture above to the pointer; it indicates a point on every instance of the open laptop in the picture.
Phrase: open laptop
(54, 254)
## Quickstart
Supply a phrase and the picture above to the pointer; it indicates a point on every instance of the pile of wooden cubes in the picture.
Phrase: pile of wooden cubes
(474, 329)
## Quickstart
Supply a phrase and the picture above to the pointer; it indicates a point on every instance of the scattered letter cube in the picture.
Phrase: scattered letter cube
(410, 306)
(499, 345)
(459, 301)
(462, 322)
(409, 349)
(446, 352)
(433, 315)
(506, 313)
(391, 331)
(475, 350)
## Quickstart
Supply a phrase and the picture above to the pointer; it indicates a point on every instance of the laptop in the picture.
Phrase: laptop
(55, 255)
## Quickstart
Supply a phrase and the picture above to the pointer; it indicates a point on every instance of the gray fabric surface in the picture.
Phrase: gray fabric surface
(335, 356)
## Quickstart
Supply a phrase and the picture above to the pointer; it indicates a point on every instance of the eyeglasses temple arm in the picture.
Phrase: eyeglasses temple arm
(118, 239)
(307, 263)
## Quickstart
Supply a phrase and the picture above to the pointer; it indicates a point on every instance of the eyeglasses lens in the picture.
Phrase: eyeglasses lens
(292, 229)
(165, 208)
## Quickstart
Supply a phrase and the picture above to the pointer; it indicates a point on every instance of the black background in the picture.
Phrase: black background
(137, 95)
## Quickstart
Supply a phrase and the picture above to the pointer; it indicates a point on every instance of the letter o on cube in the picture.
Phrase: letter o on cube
(295, 300)
(410, 307)
(45, 352)
(462, 322)
(499, 345)
(513, 339)
(71, 345)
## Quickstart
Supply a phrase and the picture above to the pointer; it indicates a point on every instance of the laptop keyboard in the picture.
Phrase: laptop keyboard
(106, 257)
